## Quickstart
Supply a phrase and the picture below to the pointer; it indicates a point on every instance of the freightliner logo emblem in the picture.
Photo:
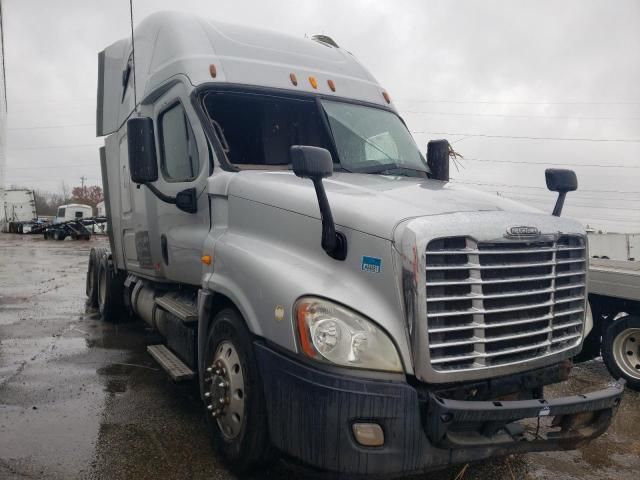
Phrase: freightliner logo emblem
(523, 231)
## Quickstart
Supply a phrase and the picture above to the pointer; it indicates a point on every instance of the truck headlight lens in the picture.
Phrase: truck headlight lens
(333, 333)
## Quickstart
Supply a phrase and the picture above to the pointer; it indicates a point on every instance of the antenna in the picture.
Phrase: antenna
(133, 56)
(4, 72)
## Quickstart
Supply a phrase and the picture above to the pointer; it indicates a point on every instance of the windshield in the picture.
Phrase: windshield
(257, 130)
(371, 140)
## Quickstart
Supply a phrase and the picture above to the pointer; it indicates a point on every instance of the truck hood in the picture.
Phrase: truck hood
(373, 204)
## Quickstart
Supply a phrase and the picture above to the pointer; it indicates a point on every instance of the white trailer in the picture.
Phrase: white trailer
(73, 211)
(614, 246)
(19, 206)
(614, 296)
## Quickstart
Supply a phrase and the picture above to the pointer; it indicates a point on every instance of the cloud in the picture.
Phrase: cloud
(581, 57)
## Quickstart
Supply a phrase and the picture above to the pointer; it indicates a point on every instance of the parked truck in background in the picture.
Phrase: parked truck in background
(336, 297)
(72, 211)
(614, 297)
(615, 246)
(18, 209)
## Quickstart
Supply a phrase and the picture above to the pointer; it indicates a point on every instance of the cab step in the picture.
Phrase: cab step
(176, 369)
(180, 306)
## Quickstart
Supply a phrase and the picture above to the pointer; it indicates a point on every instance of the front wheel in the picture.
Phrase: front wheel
(621, 350)
(233, 395)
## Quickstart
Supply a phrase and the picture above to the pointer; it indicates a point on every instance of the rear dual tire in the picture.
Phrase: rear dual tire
(92, 275)
(105, 286)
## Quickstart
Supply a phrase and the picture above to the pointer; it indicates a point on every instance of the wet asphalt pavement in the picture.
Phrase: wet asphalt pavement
(80, 398)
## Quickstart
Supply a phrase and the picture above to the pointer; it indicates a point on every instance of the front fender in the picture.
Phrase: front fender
(268, 258)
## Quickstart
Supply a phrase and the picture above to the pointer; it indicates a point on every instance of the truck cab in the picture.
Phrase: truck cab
(72, 211)
(336, 297)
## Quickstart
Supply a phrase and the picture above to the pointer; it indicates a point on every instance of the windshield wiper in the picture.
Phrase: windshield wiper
(389, 169)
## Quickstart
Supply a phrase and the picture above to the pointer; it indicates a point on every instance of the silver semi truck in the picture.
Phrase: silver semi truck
(336, 297)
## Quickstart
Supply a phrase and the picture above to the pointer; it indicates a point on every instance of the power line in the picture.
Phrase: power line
(612, 220)
(580, 192)
(71, 125)
(4, 71)
(54, 167)
(551, 196)
(571, 204)
(507, 102)
(550, 163)
(517, 137)
(505, 115)
(56, 146)
(541, 188)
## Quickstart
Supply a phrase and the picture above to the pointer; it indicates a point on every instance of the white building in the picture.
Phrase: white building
(102, 211)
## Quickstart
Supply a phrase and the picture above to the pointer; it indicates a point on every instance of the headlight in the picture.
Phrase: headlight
(333, 333)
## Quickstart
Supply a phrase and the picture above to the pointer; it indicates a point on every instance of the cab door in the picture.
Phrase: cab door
(184, 164)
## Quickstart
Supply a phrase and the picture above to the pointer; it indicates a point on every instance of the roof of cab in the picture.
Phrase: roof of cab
(169, 44)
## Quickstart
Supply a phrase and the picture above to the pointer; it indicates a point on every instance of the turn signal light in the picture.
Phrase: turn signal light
(386, 97)
(332, 85)
(212, 71)
(206, 259)
(305, 340)
(294, 79)
(313, 82)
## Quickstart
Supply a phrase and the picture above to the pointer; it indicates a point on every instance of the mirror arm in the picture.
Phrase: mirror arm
(159, 194)
(557, 210)
(334, 243)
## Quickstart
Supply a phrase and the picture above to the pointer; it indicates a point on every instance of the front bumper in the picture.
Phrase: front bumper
(311, 413)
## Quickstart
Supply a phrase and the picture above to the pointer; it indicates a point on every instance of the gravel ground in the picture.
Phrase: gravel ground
(82, 399)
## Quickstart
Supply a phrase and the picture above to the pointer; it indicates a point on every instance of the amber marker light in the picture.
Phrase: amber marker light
(294, 79)
(212, 71)
(313, 82)
(206, 259)
(386, 96)
(305, 340)
(332, 85)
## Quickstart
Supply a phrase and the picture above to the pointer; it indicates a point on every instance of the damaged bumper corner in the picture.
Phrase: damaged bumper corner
(562, 423)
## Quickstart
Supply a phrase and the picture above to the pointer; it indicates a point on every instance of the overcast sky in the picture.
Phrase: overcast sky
(566, 71)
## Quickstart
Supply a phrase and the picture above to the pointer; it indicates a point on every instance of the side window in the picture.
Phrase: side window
(61, 212)
(179, 153)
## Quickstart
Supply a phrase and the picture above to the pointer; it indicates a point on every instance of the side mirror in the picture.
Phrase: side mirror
(143, 165)
(315, 164)
(187, 200)
(438, 159)
(311, 162)
(561, 181)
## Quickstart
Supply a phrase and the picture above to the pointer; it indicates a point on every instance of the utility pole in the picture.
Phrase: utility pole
(82, 179)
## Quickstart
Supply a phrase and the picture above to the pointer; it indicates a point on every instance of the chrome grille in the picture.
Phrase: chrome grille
(492, 304)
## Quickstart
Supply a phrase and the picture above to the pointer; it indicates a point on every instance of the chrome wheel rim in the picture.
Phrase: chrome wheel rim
(626, 352)
(225, 395)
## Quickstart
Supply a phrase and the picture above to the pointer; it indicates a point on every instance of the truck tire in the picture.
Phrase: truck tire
(110, 291)
(92, 275)
(621, 350)
(233, 394)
